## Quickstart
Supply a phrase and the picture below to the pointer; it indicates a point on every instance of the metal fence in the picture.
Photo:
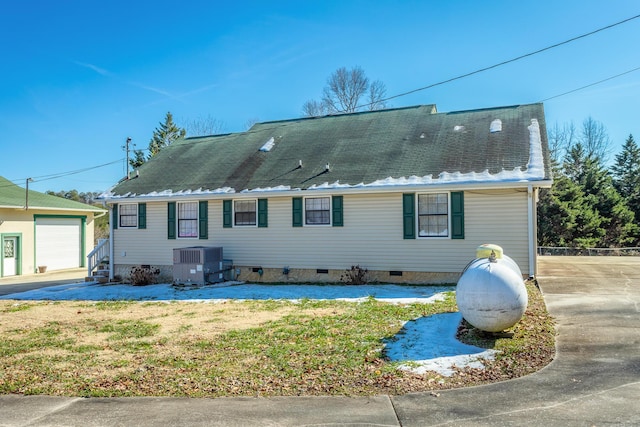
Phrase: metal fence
(560, 251)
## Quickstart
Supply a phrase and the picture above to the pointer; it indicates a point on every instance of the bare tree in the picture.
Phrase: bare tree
(560, 140)
(377, 94)
(595, 139)
(348, 91)
(203, 126)
(314, 108)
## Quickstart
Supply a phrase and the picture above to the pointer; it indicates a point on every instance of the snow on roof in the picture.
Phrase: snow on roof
(534, 171)
(268, 145)
(496, 126)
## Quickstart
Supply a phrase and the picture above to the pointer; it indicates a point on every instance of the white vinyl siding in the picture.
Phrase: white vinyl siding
(372, 236)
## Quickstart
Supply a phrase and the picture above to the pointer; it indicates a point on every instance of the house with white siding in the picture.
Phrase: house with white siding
(407, 193)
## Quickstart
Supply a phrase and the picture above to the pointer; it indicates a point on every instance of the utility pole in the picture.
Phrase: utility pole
(126, 147)
(26, 196)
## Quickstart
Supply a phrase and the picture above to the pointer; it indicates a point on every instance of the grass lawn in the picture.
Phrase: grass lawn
(241, 348)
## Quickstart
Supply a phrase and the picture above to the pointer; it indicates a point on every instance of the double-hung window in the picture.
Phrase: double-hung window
(317, 210)
(433, 215)
(128, 215)
(244, 212)
(188, 219)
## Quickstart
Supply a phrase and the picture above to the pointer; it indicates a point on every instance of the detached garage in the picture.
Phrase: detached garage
(41, 230)
(59, 242)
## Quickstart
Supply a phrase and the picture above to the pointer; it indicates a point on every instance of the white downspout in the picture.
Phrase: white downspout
(531, 218)
(111, 275)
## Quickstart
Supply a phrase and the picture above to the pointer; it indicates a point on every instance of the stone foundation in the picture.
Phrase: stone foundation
(300, 275)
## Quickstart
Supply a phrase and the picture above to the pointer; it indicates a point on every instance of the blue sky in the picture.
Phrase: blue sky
(78, 77)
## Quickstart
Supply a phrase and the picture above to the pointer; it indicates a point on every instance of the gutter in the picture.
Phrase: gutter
(297, 192)
(111, 275)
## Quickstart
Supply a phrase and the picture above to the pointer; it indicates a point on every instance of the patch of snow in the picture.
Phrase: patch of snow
(444, 350)
(268, 145)
(535, 167)
(400, 294)
(496, 126)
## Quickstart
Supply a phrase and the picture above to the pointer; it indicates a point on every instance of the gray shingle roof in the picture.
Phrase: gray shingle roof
(13, 196)
(359, 148)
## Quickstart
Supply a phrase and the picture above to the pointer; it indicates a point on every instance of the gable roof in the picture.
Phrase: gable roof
(14, 197)
(385, 147)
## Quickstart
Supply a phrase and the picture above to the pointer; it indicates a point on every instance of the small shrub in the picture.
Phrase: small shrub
(143, 275)
(355, 276)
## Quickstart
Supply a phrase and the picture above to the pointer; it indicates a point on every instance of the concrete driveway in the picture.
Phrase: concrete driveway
(594, 380)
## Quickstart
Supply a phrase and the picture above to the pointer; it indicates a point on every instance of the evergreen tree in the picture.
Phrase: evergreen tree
(567, 217)
(626, 174)
(586, 170)
(163, 136)
(587, 207)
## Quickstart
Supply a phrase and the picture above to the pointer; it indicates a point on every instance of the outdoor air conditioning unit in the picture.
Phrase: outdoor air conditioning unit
(198, 265)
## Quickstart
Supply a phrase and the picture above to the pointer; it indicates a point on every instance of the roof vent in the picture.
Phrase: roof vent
(496, 126)
(268, 145)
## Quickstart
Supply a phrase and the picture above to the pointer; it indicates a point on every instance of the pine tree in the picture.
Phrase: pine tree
(586, 170)
(567, 217)
(163, 136)
(626, 174)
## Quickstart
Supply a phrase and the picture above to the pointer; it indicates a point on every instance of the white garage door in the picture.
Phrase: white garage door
(58, 242)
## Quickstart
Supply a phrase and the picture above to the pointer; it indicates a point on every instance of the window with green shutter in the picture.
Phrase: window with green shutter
(142, 216)
(171, 220)
(457, 214)
(337, 211)
(203, 219)
(227, 214)
(114, 216)
(262, 213)
(439, 215)
(409, 215)
(297, 211)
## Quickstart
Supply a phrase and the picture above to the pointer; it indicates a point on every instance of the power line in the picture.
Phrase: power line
(63, 174)
(505, 62)
(591, 84)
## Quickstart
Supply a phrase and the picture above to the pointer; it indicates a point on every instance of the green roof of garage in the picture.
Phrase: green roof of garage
(367, 148)
(14, 196)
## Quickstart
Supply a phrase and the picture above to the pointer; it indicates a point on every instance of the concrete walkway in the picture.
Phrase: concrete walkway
(594, 380)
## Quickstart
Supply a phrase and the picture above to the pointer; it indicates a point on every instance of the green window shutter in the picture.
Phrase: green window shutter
(457, 215)
(171, 220)
(297, 212)
(142, 216)
(336, 207)
(114, 217)
(409, 215)
(262, 213)
(203, 220)
(227, 214)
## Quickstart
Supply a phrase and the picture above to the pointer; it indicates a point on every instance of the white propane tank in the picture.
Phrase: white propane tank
(491, 294)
